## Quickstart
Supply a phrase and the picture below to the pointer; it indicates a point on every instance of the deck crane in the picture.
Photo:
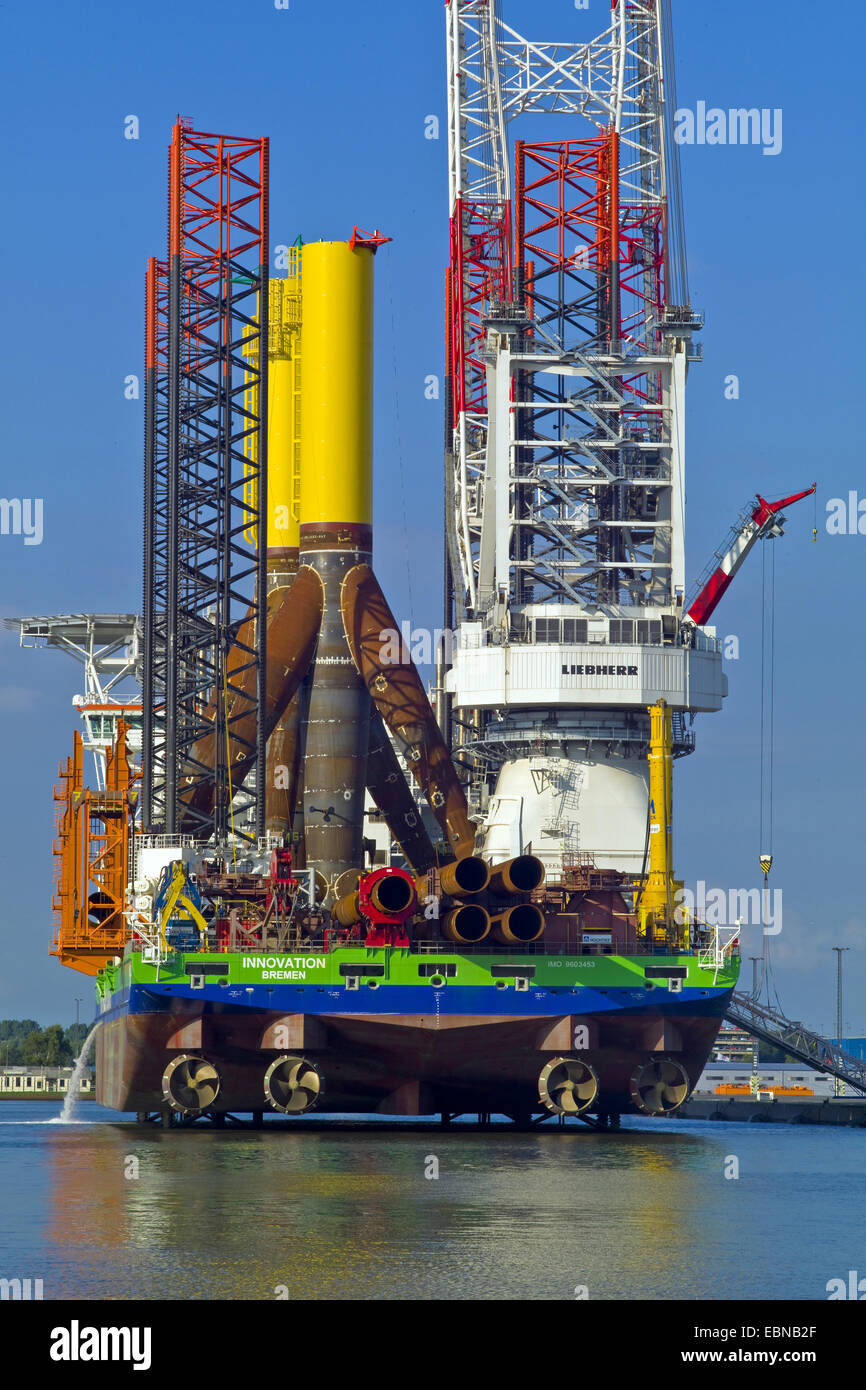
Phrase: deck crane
(761, 522)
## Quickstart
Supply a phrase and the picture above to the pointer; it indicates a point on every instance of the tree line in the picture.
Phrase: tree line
(24, 1043)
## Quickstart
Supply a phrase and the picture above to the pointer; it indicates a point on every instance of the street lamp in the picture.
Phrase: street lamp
(77, 1002)
(838, 950)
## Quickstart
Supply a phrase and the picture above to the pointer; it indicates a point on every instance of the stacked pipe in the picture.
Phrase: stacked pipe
(517, 923)
(484, 901)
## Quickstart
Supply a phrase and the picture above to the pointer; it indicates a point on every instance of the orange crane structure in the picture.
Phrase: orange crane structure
(92, 857)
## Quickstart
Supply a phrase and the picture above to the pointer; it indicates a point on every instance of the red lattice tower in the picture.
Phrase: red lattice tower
(596, 273)
(204, 579)
(480, 273)
(565, 212)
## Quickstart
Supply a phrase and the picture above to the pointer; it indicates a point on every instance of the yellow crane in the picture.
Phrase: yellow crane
(657, 900)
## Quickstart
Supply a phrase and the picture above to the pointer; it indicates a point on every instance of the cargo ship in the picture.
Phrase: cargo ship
(303, 881)
(408, 1031)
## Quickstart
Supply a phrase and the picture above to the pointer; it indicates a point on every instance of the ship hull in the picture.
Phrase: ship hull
(392, 1045)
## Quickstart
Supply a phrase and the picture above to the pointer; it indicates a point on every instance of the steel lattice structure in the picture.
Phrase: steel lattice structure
(156, 530)
(594, 472)
(108, 647)
(568, 344)
(594, 427)
(203, 577)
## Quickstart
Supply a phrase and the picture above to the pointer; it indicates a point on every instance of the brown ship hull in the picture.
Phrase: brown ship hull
(392, 1064)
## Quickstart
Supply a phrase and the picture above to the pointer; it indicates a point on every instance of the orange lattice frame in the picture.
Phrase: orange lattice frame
(91, 855)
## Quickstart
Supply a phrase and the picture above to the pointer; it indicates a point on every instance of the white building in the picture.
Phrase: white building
(24, 1081)
(739, 1073)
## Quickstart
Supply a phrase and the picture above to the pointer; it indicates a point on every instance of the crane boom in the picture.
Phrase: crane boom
(762, 521)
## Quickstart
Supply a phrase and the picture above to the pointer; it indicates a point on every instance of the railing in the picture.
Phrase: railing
(145, 938)
(496, 749)
(167, 841)
(719, 952)
(553, 948)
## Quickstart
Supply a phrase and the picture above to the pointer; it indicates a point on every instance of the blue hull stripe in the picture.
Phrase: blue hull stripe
(450, 1000)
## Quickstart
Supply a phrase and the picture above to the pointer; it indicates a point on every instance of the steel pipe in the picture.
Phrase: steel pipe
(522, 874)
(519, 925)
(466, 924)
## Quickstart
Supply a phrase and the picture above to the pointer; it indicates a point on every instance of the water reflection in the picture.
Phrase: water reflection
(334, 1213)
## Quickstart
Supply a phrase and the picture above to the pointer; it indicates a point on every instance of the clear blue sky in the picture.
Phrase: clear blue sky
(343, 90)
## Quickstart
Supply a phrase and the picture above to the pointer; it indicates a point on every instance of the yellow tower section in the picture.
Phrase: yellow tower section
(337, 394)
(657, 900)
(284, 422)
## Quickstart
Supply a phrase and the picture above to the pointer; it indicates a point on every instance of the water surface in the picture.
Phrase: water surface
(105, 1209)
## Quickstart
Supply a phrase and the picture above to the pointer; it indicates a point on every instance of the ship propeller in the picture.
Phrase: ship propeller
(567, 1086)
(293, 1085)
(659, 1087)
(190, 1084)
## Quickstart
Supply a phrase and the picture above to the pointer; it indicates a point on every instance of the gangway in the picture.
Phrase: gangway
(821, 1053)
